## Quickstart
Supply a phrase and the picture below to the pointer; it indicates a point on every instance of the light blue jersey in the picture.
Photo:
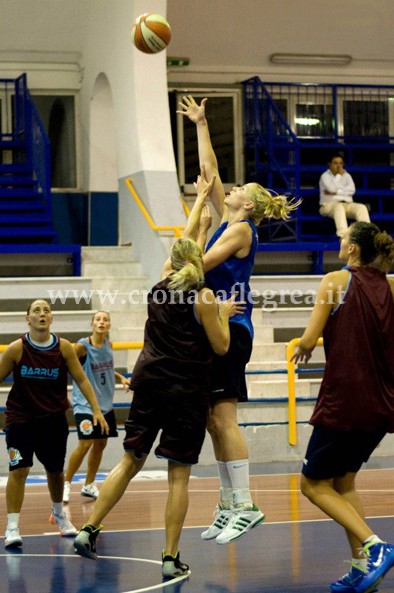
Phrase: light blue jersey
(99, 369)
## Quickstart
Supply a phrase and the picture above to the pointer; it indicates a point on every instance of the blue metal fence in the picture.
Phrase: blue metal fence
(23, 125)
(292, 129)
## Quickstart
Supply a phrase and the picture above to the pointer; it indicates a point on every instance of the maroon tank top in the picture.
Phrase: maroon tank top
(177, 356)
(357, 391)
(40, 383)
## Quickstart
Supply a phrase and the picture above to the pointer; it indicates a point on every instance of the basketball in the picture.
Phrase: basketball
(151, 33)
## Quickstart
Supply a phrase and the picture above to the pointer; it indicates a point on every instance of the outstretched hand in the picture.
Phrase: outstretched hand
(191, 109)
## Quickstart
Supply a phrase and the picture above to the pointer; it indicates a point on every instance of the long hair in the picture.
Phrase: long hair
(107, 313)
(373, 243)
(269, 205)
(186, 261)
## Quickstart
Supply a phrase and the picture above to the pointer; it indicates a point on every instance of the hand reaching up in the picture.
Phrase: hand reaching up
(189, 108)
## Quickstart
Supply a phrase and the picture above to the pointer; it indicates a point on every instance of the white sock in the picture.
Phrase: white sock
(242, 499)
(372, 539)
(238, 471)
(361, 563)
(13, 520)
(57, 508)
(226, 491)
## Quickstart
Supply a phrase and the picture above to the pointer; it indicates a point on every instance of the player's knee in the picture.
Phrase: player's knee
(306, 487)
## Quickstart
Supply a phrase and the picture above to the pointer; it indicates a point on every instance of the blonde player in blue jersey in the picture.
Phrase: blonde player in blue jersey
(96, 357)
(228, 263)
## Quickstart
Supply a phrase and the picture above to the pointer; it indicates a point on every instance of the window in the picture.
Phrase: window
(366, 118)
(224, 117)
(313, 120)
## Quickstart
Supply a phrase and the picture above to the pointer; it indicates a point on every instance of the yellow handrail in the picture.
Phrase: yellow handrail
(292, 414)
(126, 345)
(177, 230)
(115, 346)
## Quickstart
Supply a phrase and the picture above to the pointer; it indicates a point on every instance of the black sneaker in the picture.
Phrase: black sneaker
(85, 541)
(173, 567)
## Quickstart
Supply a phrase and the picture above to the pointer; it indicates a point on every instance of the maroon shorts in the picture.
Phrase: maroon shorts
(44, 437)
(180, 418)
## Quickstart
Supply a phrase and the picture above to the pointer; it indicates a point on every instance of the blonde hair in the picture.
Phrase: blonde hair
(186, 261)
(269, 205)
(101, 311)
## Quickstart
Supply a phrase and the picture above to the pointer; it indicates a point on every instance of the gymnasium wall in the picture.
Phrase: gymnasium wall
(123, 125)
(228, 41)
(142, 132)
(130, 128)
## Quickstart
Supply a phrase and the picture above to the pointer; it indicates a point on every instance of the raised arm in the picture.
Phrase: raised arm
(197, 225)
(204, 189)
(206, 154)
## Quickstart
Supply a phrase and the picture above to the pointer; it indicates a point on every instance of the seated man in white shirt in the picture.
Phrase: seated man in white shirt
(336, 196)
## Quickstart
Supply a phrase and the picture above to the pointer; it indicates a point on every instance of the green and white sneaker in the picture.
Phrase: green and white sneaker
(220, 520)
(241, 521)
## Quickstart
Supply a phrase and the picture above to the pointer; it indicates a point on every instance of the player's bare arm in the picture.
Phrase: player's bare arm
(329, 294)
(10, 357)
(235, 241)
(206, 154)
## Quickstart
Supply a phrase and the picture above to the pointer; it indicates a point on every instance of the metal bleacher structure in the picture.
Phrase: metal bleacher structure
(284, 286)
(26, 222)
(291, 131)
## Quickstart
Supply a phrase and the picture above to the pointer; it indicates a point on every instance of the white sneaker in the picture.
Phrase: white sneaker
(12, 538)
(221, 518)
(241, 522)
(66, 528)
(66, 492)
(90, 490)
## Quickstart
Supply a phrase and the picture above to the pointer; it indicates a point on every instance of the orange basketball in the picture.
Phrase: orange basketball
(151, 33)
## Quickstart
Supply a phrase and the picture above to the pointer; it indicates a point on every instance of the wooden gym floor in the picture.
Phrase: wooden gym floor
(295, 549)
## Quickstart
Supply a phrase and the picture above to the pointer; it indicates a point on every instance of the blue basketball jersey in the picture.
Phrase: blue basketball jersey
(99, 369)
(233, 276)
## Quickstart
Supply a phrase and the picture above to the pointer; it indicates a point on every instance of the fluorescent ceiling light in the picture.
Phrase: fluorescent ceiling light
(307, 121)
(311, 59)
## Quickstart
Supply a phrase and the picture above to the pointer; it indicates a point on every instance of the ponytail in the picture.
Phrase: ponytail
(269, 205)
(186, 261)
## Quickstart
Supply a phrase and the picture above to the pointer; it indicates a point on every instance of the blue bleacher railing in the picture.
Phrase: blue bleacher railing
(292, 129)
(29, 125)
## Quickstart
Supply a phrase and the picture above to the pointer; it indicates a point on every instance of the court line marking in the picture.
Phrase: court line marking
(206, 490)
(77, 557)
